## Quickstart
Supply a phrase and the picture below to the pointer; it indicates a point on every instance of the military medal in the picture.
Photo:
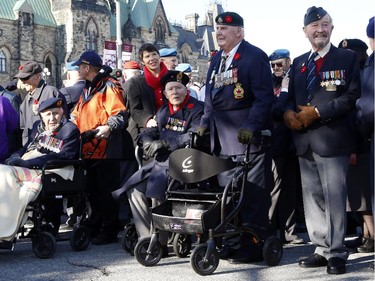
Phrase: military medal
(238, 91)
(235, 75)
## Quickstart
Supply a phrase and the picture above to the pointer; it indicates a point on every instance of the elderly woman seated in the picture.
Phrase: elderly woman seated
(175, 122)
(53, 137)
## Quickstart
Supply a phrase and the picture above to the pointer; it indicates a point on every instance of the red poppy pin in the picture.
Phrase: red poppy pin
(190, 105)
(303, 68)
(237, 56)
(228, 19)
(20, 67)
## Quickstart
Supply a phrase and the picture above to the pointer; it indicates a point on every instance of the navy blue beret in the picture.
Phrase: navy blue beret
(353, 44)
(174, 76)
(168, 52)
(279, 54)
(313, 14)
(229, 18)
(50, 103)
(370, 28)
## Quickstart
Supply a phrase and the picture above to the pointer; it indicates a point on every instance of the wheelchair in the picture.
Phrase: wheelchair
(44, 241)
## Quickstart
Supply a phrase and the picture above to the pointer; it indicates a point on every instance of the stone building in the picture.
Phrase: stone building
(53, 32)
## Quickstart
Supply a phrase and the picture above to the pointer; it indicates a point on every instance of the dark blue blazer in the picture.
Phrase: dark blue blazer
(334, 134)
(226, 113)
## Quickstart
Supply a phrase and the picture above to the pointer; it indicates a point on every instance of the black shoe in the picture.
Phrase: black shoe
(336, 266)
(104, 239)
(164, 251)
(367, 246)
(246, 255)
(313, 261)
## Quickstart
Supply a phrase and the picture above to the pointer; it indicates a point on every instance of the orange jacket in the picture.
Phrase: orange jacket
(103, 106)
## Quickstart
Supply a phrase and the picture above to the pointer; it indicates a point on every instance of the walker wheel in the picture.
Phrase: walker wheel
(272, 250)
(182, 245)
(44, 245)
(144, 256)
(129, 239)
(80, 239)
(198, 262)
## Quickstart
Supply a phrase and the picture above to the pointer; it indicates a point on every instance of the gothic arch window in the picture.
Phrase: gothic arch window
(3, 62)
(159, 30)
(27, 19)
(5, 56)
(91, 35)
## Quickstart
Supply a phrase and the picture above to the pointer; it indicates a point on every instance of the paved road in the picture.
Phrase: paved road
(111, 263)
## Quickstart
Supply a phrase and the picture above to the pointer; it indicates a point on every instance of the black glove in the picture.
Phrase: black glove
(11, 158)
(17, 161)
(89, 135)
(156, 146)
(244, 136)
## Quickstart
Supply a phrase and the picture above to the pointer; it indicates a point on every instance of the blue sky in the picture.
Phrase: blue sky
(274, 24)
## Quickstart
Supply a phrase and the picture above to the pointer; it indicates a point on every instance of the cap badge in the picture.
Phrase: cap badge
(220, 20)
(179, 77)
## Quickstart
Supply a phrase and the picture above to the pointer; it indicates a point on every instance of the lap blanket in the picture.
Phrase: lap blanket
(18, 187)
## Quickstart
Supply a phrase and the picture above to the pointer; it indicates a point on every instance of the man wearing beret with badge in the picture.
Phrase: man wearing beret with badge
(30, 74)
(238, 101)
(52, 137)
(323, 89)
(175, 122)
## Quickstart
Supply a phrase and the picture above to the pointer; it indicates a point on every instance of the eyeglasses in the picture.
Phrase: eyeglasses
(278, 64)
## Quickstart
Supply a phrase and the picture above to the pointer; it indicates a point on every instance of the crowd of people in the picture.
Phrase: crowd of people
(308, 121)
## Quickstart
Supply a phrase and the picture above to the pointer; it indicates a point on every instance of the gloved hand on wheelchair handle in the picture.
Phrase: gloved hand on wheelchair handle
(200, 131)
(155, 146)
(244, 136)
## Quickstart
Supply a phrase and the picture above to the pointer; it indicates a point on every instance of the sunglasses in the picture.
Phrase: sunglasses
(278, 64)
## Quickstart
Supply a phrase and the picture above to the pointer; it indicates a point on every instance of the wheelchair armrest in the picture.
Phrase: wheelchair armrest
(59, 163)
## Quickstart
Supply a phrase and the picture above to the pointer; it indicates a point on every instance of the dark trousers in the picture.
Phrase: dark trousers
(103, 177)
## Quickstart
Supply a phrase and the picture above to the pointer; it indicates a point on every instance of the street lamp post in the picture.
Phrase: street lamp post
(118, 35)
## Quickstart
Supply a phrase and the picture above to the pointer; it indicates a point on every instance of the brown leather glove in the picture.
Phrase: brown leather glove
(291, 121)
(201, 131)
(307, 115)
(244, 136)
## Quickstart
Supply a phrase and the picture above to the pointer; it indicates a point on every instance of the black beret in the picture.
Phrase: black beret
(50, 103)
(174, 76)
(313, 14)
(353, 44)
(229, 18)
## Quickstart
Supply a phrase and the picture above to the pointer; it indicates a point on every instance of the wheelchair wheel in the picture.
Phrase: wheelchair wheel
(129, 239)
(272, 250)
(182, 245)
(199, 264)
(145, 258)
(80, 239)
(44, 245)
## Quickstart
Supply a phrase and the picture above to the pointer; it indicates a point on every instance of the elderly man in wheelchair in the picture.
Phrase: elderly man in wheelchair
(176, 120)
(52, 138)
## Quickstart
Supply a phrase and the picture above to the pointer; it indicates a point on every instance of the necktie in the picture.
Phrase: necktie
(311, 77)
(223, 61)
